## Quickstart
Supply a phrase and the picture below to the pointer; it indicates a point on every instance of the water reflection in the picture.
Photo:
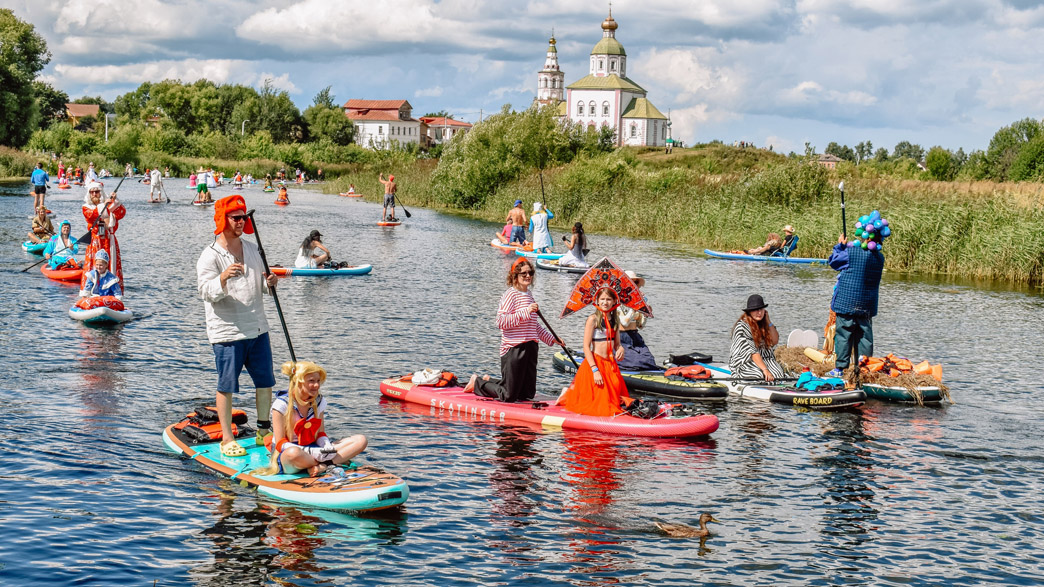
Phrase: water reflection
(848, 476)
(593, 462)
(240, 555)
(99, 362)
(512, 478)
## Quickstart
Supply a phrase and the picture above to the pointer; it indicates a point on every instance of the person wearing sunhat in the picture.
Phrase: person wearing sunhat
(231, 280)
(753, 337)
(516, 217)
(637, 356)
(313, 253)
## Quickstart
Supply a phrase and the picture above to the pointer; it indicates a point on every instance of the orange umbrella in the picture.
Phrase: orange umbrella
(604, 274)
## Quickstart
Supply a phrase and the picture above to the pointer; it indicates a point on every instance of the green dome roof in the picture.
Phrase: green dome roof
(608, 46)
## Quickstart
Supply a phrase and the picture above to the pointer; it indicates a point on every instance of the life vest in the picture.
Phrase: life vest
(895, 366)
(689, 372)
(202, 424)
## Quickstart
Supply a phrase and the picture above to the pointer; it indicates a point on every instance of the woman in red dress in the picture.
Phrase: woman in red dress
(103, 219)
(598, 386)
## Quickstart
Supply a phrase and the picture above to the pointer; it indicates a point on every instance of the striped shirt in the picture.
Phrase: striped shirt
(742, 350)
(516, 322)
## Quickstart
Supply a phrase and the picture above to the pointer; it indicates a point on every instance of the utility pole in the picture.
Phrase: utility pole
(107, 115)
(242, 127)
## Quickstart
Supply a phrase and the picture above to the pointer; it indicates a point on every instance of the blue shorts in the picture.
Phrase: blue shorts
(518, 234)
(253, 353)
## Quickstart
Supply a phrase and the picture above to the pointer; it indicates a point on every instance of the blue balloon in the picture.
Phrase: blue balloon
(852, 244)
(874, 215)
(877, 224)
(886, 231)
(864, 219)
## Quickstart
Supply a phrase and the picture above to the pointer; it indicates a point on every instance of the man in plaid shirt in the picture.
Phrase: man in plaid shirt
(855, 300)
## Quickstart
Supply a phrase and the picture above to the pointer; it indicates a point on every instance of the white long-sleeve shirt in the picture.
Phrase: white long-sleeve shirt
(236, 312)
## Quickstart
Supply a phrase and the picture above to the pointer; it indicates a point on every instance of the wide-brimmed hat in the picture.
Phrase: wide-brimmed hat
(200, 170)
(755, 302)
(788, 228)
(639, 281)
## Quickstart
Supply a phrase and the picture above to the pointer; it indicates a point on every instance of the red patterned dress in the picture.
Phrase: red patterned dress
(104, 237)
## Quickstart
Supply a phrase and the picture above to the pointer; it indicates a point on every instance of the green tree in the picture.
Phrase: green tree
(330, 124)
(1006, 143)
(1029, 163)
(975, 168)
(881, 155)
(278, 115)
(908, 150)
(843, 152)
(23, 53)
(324, 98)
(134, 105)
(940, 163)
(50, 103)
(439, 114)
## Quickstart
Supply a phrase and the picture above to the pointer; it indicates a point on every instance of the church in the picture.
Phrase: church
(605, 96)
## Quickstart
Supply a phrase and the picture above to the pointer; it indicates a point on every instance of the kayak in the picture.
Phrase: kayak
(467, 406)
(99, 311)
(763, 258)
(655, 384)
(780, 394)
(552, 265)
(545, 256)
(62, 274)
(348, 488)
(386, 223)
(342, 271)
(34, 248)
(930, 394)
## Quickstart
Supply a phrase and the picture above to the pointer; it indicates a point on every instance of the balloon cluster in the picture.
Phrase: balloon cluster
(871, 229)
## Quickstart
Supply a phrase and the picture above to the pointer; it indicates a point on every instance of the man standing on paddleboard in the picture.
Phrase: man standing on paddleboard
(231, 279)
(389, 197)
(517, 219)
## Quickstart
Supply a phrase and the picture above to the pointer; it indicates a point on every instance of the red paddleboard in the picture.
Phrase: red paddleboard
(454, 401)
(282, 203)
(347, 195)
(62, 274)
(386, 223)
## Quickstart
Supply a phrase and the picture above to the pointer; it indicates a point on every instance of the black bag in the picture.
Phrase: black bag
(689, 359)
(647, 409)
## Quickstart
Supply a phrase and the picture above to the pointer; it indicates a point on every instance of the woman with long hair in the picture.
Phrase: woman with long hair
(598, 387)
(298, 441)
(576, 245)
(520, 331)
(313, 253)
(753, 337)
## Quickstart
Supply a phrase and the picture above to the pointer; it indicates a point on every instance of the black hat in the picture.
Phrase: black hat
(314, 234)
(755, 302)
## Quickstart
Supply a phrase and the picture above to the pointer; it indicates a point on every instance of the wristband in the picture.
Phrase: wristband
(594, 369)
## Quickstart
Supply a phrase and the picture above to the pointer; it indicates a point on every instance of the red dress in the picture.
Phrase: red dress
(103, 237)
(587, 398)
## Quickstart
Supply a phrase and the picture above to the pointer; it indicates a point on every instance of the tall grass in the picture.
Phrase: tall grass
(15, 163)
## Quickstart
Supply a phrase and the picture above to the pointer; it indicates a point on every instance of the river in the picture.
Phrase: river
(884, 495)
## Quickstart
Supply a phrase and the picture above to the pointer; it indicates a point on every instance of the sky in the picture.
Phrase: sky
(769, 72)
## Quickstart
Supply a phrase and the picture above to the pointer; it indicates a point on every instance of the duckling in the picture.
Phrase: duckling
(683, 531)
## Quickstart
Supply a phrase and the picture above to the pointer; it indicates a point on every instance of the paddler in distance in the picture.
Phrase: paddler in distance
(516, 217)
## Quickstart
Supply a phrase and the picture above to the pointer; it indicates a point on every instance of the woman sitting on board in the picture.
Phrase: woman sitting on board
(313, 253)
(598, 387)
(61, 248)
(504, 236)
(637, 356)
(42, 229)
(753, 336)
(520, 331)
(298, 441)
(576, 248)
(99, 281)
(772, 244)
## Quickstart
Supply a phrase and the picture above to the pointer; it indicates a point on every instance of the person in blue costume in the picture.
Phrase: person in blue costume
(99, 281)
(859, 265)
(542, 242)
(61, 248)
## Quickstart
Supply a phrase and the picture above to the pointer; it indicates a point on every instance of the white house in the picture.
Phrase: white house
(607, 97)
(383, 123)
(440, 129)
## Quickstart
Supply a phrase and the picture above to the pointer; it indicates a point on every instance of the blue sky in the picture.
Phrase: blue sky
(936, 72)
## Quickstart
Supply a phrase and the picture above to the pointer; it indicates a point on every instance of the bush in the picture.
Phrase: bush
(15, 163)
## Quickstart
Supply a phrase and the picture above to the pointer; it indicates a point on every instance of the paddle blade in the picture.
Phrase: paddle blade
(408, 215)
(86, 238)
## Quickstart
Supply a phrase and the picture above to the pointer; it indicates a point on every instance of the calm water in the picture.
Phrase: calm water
(887, 495)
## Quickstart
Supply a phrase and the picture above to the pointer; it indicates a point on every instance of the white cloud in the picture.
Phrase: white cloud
(281, 82)
(216, 70)
(433, 92)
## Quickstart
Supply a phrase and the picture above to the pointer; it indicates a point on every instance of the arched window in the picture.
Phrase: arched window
(612, 65)
(634, 130)
(592, 109)
(579, 108)
(605, 108)
(543, 83)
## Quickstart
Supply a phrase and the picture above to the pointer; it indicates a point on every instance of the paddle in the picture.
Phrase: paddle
(86, 238)
(407, 212)
(279, 309)
(560, 342)
(164, 190)
(844, 224)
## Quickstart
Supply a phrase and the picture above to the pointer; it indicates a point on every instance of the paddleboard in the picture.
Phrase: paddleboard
(552, 265)
(386, 223)
(100, 316)
(62, 274)
(763, 258)
(532, 255)
(267, 190)
(282, 203)
(198, 203)
(345, 488)
(780, 394)
(467, 406)
(654, 384)
(34, 248)
(347, 195)
(342, 271)
(929, 394)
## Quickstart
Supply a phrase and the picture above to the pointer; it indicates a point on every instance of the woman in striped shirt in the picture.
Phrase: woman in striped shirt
(520, 331)
(753, 337)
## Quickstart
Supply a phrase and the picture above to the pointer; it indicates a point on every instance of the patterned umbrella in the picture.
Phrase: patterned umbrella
(606, 274)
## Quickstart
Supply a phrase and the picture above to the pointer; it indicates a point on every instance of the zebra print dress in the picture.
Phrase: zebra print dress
(741, 351)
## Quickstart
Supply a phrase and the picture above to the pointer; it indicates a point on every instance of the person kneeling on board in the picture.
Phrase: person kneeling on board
(298, 441)
(99, 281)
(313, 253)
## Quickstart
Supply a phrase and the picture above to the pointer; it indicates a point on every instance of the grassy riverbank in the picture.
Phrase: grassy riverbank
(722, 197)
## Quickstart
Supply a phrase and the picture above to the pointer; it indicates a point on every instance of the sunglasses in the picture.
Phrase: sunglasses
(237, 217)
(526, 272)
